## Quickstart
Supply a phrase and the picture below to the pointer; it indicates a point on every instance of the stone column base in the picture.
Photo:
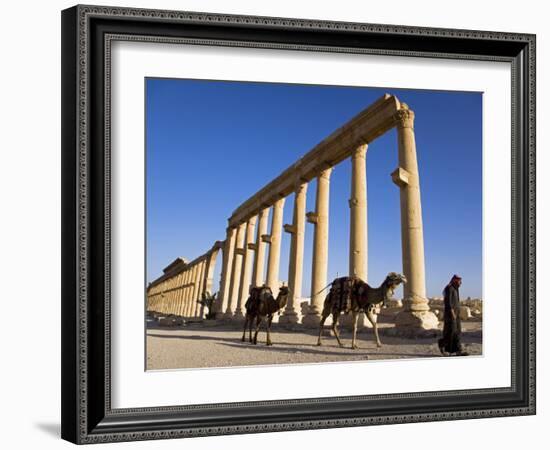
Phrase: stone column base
(311, 320)
(362, 322)
(239, 315)
(416, 320)
(225, 316)
(290, 318)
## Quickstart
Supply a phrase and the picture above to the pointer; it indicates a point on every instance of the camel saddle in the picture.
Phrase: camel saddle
(341, 291)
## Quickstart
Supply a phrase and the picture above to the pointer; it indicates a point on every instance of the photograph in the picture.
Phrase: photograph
(281, 223)
(310, 224)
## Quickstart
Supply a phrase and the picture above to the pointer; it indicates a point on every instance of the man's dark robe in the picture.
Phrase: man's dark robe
(452, 327)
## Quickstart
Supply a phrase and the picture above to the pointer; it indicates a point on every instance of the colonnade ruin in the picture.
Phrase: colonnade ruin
(248, 246)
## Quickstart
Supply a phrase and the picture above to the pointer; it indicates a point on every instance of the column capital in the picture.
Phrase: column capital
(300, 186)
(280, 203)
(324, 172)
(404, 118)
(266, 238)
(263, 210)
(359, 151)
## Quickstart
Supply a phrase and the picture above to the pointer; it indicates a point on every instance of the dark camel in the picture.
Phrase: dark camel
(260, 304)
(353, 294)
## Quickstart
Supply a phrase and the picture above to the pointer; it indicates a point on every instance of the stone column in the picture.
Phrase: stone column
(227, 265)
(182, 294)
(179, 284)
(319, 219)
(211, 265)
(169, 284)
(161, 298)
(358, 214)
(162, 309)
(259, 247)
(185, 290)
(200, 287)
(274, 239)
(236, 272)
(292, 314)
(416, 313)
(177, 305)
(165, 297)
(191, 290)
(194, 290)
(248, 255)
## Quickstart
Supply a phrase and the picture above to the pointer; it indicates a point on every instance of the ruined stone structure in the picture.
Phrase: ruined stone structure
(182, 284)
(247, 240)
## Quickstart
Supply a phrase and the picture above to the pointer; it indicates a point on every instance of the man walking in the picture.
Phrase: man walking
(450, 343)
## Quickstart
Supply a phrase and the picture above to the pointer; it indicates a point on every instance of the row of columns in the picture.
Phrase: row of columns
(243, 253)
(178, 293)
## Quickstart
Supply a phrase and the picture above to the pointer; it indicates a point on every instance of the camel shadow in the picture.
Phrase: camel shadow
(282, 347)
(195, 337)
(237, 340)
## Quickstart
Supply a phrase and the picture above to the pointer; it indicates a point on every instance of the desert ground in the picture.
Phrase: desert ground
(207, 344)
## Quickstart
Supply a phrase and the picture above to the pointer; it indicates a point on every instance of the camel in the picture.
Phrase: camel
(353, 294)
(260, 304)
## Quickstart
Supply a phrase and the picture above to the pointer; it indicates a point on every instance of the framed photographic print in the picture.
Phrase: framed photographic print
(279, 224)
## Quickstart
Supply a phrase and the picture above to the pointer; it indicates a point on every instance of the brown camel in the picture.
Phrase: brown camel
(353, 294)
(260, 304)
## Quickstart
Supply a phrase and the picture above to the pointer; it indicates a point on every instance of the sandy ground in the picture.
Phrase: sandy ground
(203, 345)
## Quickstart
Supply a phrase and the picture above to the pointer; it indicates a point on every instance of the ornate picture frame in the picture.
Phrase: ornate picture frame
(87, 412)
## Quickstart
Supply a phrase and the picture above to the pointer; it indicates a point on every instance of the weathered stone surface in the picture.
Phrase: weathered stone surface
(358, 251)
(292, 314)
(421, 320)
(394, 303)
(465, 313)
(170, 321)
(320, 219)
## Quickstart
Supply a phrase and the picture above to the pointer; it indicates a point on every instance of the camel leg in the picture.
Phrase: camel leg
(244, 330)
(335, 317)
(321, 325)
(268, 339)
(354, 318)
(250, 323)
(258, 322)
(374, 327)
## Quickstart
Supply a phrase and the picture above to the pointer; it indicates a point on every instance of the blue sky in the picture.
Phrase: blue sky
(210, 145)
